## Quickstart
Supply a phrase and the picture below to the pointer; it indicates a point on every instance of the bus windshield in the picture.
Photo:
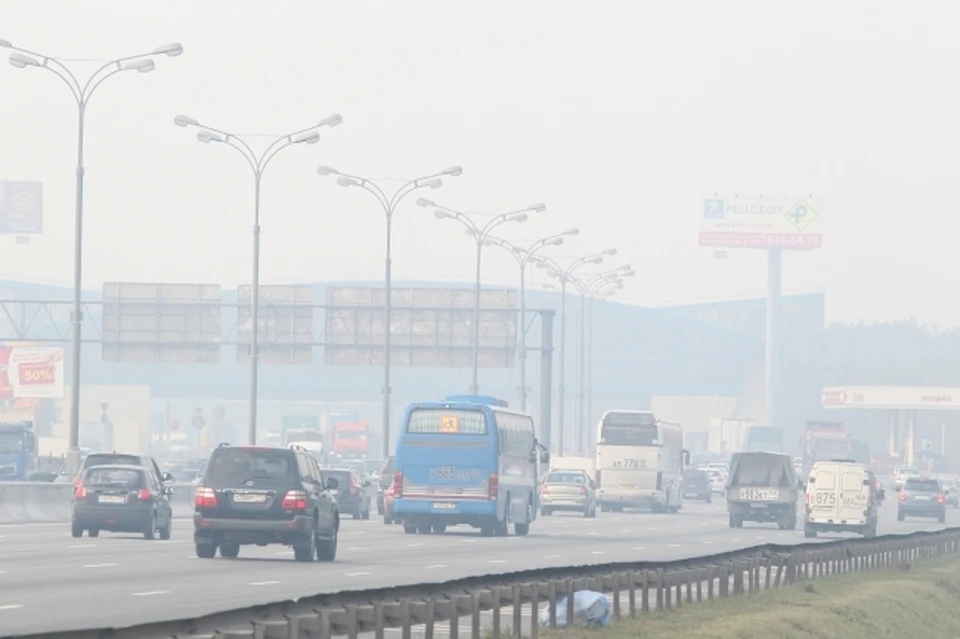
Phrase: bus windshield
(629, 429)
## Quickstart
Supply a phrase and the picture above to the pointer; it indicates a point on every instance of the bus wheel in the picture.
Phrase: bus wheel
(439, 528)
(407, 528)
(486, 531)
(423, 530)
(520, 529)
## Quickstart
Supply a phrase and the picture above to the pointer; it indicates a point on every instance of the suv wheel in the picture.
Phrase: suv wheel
(327, 548)
(307, 551)
(206, 551)
(229, 551)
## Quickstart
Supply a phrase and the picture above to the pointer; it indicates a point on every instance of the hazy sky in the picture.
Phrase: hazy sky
(620, 116)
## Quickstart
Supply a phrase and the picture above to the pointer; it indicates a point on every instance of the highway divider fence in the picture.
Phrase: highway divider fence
(40, 502)
(506, 605)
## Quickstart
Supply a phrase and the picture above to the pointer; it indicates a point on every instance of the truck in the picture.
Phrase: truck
(351, 440)
(764, 438)
(763, 488)
(18, 451)
(299, 424)
(727, 436)
(824, 441)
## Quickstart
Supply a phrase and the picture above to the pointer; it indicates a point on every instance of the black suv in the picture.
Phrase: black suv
(922, 498)
(696, 484)
(265, 495)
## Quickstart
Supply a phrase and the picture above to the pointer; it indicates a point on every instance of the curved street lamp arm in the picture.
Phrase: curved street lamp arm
(62, 72)
(243, 149)
(275, 147)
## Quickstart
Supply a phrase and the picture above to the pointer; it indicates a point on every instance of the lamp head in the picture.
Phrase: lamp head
(435, 183)
(571, 232)
(5, 43)
(425, 202)
(522, 217)
(172, 50)
(327, 170)
(184, 121)
(595, 260)
(537, 208)
(208, 136)
(331, 120)
(452, 171)
(343, 180)
(311, 137)
(557, 241)
(22, 61)
(441, 215)
(143, 65)
(610, 251)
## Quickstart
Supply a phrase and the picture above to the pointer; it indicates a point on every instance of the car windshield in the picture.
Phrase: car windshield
(566, 478)
(113, 477)
(107, 459)
(246, 464)
(922, 486)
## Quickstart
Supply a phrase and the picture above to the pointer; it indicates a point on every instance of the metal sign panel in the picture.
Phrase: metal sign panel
(161, 323)
(891, 397)
(286, 324)
(21, 208)
(429, 327)
(792, 223)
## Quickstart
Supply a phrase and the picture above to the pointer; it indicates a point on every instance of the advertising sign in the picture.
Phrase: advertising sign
(762, 222)
(21, 208)
(34, 372)
(891, 397)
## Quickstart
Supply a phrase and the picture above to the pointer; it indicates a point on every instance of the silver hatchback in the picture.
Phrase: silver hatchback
(570, 491)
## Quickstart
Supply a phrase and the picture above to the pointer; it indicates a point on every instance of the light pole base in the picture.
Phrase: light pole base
(73, 463)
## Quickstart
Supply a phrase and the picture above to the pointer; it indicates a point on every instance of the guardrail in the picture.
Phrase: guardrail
(636, 588)
(41, 502)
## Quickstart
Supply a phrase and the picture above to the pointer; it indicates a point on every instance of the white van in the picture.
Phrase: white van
(839, 498)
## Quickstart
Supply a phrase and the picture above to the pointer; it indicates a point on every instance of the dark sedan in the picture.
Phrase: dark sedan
(121, 498)
(696, 485)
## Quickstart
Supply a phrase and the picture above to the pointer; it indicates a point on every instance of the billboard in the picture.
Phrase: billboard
(161, 323)
(31, 372)
(285, 316)
(21, 208)
(429, 327)
(790, 223)
(891, 397)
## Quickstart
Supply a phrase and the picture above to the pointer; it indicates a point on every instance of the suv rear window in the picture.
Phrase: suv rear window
(114, 477)
(108, 459)
(237, 465)
(922, 485)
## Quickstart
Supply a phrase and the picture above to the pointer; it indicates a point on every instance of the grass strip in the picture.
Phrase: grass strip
(922, 600)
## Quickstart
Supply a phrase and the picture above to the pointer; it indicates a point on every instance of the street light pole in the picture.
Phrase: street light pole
(609, 290)
(564, 275)
(258, 164)
(480, 233)
(523, 257)
(587, 289)
(389, 204)
(82, 91)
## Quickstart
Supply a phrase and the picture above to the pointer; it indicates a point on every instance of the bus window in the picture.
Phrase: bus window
(629, 429)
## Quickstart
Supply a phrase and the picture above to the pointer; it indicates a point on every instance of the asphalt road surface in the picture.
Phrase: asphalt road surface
(52, 582)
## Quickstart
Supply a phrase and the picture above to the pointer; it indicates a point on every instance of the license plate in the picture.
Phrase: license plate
(444, 505)
(922, 497)
(249, 499)
(112, 499)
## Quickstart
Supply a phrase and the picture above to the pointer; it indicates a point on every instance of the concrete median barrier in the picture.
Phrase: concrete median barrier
(41, 502)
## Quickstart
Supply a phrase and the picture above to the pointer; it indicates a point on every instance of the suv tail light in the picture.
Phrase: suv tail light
(902, 496)
(398, 484)
(80, 492)
(76, 483)
(493, 486)
(204, 498)
(294, 500)
(144, 494)
(939, 499)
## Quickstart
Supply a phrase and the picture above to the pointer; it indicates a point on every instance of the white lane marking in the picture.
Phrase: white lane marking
(617, 518)
(357, 574)
(263, 583)
(651, 530)
(468, 541)
(435, 566)
(707, 541)
(550, 556)
(3, 572)
(598, 552)
(416, 545)
(623, 530)
(11, 607)
(673, 545)
(497, 561)
(99, 565)
(736, 539)
(151, 593)
(82, 546)
(760, 538)
(640, 548)
(356, 548)
(593, 534)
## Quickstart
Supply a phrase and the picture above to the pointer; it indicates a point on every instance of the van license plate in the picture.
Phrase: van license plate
(444, 505)
(112, 499)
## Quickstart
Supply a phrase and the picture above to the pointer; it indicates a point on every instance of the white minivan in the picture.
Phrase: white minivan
(839, 498)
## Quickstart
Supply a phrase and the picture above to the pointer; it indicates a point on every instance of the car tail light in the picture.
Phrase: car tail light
(204, 498)
(902, 496)
(80, 492)
(583, 490)
(76, 483)
(398, 484)
(353, 486)
(939, 499)
(144, 494)
(493, 486)
(294, 500)
(545, 489)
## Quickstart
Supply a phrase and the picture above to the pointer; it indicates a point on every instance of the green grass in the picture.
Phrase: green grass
(921, 601)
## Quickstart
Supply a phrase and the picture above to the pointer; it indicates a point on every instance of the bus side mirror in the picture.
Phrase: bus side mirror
(799, 484)
(686, 457)
(545, 457)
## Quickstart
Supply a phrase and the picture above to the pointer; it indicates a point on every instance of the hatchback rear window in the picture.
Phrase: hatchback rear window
(342, 476)
(922, 486)
(107, 459)
(244, 464)
(114, 477)
(566, 478)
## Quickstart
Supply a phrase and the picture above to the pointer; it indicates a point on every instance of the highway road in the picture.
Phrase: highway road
(52, 582)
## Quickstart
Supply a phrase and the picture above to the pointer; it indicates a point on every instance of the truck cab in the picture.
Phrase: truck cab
(18, 451)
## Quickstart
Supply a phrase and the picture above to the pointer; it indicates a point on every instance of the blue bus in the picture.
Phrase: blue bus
(468, 460)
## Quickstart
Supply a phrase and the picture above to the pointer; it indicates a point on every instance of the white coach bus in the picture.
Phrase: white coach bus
(639, 462)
